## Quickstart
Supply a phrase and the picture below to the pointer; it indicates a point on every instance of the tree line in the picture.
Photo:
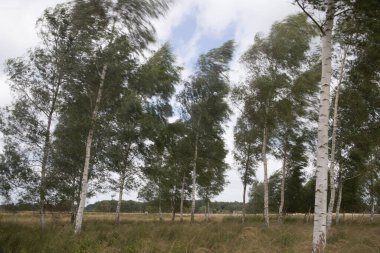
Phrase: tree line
(96, 110)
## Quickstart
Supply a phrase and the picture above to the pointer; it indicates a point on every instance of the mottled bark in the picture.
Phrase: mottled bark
(243, 209)
(84, 188)
(182, 198)
(320, 206)
(207, 210)
(121, 189)
(45, 154)
(173, 203)
(160, 209)
(339, 201)
(245, 184)
(282, 202)
(195, 171)
(333, 142)
(372, 197)
(266, 181)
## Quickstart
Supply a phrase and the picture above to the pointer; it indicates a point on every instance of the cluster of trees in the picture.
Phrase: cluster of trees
(93, 112)
(131, 206)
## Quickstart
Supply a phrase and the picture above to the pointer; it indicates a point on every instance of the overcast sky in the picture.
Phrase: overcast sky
(191, 27)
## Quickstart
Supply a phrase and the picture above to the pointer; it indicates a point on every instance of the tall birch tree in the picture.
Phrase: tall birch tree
(203, 101)
(246, 154)
(320, 208)
(110, 32)
(36, 82)
(273, 63)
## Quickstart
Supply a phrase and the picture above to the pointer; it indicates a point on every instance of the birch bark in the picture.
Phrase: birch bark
(121, 189)
(245, 185)
(46, 154)
(173, 203)
(333, 143)
(339, 201)
(320, 206)
(195, 171)
(281, 208)
(83, 194)
(182, 198)
(266, 181)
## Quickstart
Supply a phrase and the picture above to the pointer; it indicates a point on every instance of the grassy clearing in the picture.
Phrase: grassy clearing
(144, 233)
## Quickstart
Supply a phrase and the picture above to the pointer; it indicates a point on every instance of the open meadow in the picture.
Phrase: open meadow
(19, 232)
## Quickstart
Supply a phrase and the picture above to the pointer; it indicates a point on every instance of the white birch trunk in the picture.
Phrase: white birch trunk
(245, 185)
(83, 194)
(182, 198)
(372, 210)
(42, 188)
(333, 143)
(339, 201)
(194, 172)
(173, 203)
(208, 210)
(320, 206)
(372, 192)
(281, 208)
(121, 189)
(266, 182)
(243, 209)
(160, 209)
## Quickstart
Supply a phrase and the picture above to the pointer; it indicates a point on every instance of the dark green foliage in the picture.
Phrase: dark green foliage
(16, 177)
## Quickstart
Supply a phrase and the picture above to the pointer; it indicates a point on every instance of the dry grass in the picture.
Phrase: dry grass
(145, 234)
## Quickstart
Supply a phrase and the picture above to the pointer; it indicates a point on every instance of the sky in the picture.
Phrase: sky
(192, 27)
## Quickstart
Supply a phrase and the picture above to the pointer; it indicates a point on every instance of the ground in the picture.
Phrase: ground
(146, 234)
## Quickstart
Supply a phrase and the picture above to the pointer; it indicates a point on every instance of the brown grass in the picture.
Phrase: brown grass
(145, 234)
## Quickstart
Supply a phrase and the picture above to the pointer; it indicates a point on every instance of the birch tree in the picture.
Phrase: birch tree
(357, 30)
(36, 82)
(110, 33)
(203, 101)
(320, 208)
(273, 62)
(246, 153)
(333, 139)
(211, 178)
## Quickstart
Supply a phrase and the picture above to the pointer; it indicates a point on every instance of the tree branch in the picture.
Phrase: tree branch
(303, 8)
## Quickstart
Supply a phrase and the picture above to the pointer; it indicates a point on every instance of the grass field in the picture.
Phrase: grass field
(144, 233)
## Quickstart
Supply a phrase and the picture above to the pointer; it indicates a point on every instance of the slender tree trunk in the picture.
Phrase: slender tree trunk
(266, 181)
(173, 215)
(83, 194)
(173, 203)
(245, 185)
(207, 210)
(281, 208)
(121, 189)
(372, 198)
(45, 154)
(320, 206)
(243, 208)
(339, 201)
(182, 198)
(73, 211)
(333, 142)
(195, 171)
(160, 209)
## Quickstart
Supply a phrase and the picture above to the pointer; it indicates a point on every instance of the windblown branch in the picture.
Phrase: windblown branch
(303, 8)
